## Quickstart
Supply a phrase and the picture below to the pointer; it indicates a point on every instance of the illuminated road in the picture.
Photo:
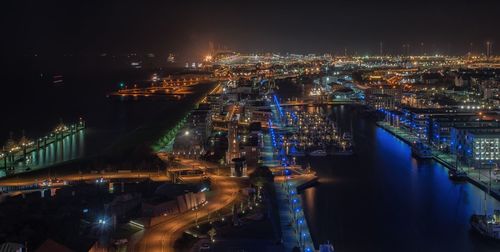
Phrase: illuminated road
(163, 236)
(317, 103)
(25, 181)
(217, 90)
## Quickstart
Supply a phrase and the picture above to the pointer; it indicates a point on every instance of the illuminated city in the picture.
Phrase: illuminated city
(264, 126)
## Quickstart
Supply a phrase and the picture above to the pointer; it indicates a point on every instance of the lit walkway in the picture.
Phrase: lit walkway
(295, 232)
(293, 223)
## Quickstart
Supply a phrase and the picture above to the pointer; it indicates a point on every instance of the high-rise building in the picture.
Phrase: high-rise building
(233, 150)
(488, 49)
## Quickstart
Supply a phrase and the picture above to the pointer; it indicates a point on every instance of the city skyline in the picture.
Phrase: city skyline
(283, 126)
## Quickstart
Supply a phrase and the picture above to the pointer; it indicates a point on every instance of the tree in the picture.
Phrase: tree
(212, 232)
(260, 177)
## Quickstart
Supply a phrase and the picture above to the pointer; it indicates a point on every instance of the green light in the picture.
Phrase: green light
(122, 84)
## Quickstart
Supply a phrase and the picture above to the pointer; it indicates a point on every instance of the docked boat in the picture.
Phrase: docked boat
(344, 145)
(421, 150)
(318, 153)
(487, 225)
(328, 247)
(457, 174)
(347, 136)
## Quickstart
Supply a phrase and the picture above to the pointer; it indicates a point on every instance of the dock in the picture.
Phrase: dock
(15, 152)
(171, 87)
(294, 227)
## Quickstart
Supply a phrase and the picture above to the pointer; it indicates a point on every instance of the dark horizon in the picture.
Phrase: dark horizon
(358, 27)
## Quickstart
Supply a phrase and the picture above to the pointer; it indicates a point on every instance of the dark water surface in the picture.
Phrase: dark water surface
(32, 103)
(382, 199)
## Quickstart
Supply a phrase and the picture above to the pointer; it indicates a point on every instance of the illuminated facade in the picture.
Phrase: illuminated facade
(233, 150)
(485, 147)
(476, 146)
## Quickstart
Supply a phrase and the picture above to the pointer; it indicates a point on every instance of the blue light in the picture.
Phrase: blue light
(278, 105)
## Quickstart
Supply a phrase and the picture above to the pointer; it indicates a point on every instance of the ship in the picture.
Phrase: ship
(421, 150)
(487, 225)
(171, 58)
(58, 79)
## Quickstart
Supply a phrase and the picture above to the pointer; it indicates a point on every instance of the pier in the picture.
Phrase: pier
(18, 153)
(295, 231)
(168, 87)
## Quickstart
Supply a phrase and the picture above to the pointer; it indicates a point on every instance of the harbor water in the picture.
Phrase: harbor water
(383, 199)
(34, 105)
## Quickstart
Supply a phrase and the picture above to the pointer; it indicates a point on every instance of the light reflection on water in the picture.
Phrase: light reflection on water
(383, 199)
(66, 149)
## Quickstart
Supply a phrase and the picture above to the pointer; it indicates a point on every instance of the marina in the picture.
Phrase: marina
(26, 154)
(314, 134)
(422, 208)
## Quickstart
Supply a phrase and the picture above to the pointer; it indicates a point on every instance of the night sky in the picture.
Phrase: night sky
(186, 27)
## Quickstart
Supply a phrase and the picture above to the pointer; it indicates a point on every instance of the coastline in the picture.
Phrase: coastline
(135, 144)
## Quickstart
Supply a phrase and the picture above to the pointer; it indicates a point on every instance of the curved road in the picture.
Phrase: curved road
(162, 237)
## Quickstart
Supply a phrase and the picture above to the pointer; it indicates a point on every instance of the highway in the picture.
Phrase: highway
(163, 236)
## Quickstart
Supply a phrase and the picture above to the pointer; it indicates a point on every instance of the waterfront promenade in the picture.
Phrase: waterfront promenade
(483, 178)
(295, 232)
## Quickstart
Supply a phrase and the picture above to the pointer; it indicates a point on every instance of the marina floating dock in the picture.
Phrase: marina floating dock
(15, 152)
